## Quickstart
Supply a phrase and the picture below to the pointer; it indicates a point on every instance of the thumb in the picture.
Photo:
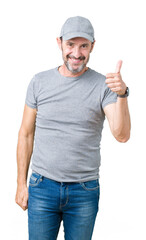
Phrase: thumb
(24, 203)
(118, 67)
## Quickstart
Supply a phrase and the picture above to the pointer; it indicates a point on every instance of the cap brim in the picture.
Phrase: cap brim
(77, 34)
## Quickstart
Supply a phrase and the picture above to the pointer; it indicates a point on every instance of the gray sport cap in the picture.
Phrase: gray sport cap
(77, 27)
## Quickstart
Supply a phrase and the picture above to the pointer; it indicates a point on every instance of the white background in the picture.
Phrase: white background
(27, 46)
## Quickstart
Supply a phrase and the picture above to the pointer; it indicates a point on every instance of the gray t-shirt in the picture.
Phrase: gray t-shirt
(69, 124)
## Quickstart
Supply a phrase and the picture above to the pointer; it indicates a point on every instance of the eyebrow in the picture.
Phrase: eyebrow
(69, 41)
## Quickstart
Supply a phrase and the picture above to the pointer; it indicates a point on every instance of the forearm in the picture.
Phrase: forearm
(122, 123)
(24, 151)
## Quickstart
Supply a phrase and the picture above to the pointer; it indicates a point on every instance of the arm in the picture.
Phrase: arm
(24, 151)
(119, 119)
(118, 113)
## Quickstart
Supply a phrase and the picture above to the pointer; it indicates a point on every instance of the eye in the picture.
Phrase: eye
(85, 45)
(70, 44)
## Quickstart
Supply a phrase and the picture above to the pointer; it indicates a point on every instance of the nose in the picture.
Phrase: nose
(76, 52)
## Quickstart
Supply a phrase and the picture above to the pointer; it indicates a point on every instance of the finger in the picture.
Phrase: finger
(115, 89)
(112, 80)
(118, 67)
(110, 75)
(24, 208)
(24, 203)
(114, 85)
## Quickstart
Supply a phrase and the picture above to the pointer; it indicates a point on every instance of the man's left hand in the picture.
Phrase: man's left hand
(115, 82)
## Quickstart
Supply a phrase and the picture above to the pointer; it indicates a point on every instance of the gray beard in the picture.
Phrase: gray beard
(79, 69)
(74, 71)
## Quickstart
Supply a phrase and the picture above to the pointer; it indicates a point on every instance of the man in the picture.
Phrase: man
(64, 113)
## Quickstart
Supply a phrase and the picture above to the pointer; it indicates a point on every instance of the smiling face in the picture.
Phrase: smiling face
(75, 53)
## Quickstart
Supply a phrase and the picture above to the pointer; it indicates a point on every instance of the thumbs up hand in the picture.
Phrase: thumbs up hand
(115, 82)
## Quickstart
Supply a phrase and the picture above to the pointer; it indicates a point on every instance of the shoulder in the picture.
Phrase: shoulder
(44, 74)
(41, 79)
(98, 80)
(98, 77)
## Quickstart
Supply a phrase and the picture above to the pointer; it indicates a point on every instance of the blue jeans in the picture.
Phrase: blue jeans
(50, 202)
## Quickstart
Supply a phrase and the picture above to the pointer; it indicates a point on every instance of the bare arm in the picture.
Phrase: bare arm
(118, 113)
(119, 119)
(24, 152)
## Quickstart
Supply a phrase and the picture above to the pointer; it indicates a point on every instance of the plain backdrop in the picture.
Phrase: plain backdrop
(28, 45)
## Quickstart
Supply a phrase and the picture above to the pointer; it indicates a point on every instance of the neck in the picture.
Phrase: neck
(65, 72)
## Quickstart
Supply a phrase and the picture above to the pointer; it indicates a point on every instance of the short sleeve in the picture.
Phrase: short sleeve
(108, 96)
(30, 99)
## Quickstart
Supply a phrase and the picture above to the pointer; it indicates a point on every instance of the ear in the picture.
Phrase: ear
(59, 42)
(92, 46)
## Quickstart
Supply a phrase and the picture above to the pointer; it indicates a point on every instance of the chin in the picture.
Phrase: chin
(75, 70)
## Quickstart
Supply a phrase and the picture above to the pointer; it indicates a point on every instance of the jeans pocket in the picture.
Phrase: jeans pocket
(90, 185)
(35, 179)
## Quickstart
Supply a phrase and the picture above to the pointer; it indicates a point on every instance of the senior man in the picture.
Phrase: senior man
(61, 129)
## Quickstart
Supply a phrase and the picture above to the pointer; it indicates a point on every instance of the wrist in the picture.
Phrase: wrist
(21, 182)
(123, 94)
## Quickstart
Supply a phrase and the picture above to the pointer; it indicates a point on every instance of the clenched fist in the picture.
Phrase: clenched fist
(115, 82)
(22, 196)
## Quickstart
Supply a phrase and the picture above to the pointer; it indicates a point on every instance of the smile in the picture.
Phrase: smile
(75, 60)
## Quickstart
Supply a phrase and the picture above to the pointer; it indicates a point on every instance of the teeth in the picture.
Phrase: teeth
(75, 60)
